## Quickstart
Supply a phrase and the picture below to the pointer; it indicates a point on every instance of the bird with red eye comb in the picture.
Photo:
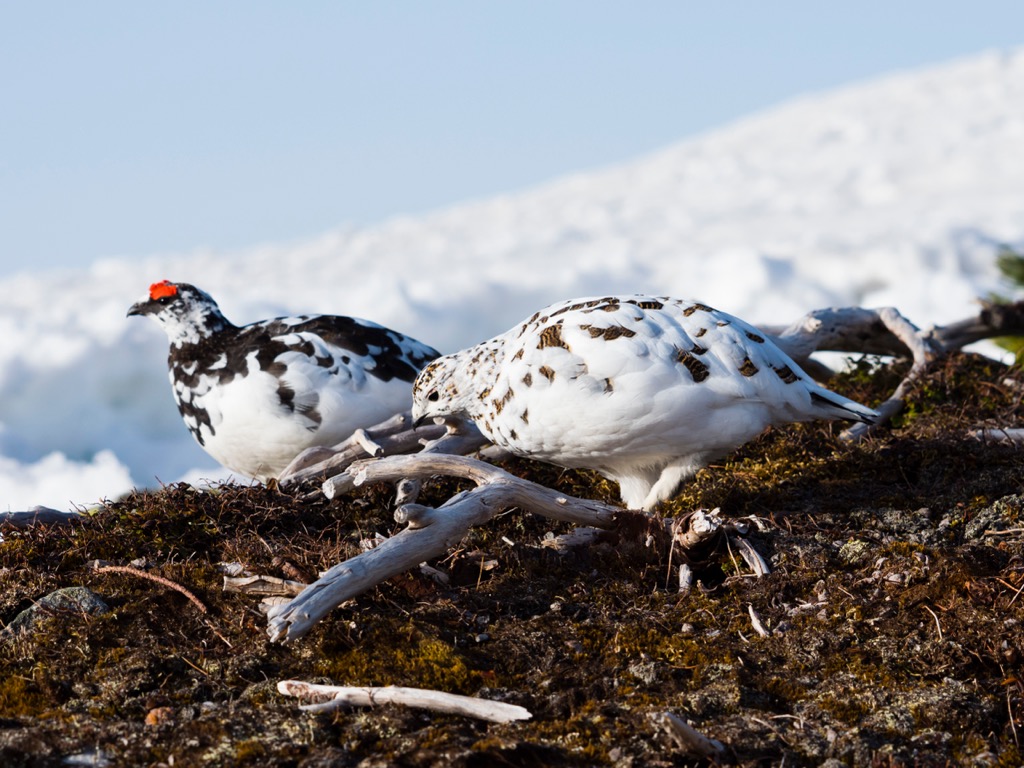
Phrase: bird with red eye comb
(255, 396)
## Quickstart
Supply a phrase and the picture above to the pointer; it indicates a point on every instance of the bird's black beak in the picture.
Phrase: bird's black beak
(139, 308)
(419, 422)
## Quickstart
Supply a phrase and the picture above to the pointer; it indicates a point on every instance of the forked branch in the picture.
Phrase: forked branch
(429, 532)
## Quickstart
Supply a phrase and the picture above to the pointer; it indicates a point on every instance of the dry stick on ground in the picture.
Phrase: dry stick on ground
(334, 697)
(152, 577)
(263, 586)
(429, 532)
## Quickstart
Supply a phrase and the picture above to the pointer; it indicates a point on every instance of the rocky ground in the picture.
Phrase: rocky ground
(893, 616)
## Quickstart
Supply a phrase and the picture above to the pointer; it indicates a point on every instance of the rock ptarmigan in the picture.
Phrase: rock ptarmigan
(644, 390)
(256, 396)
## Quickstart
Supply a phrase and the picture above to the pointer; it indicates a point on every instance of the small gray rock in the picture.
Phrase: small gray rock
(76, 600)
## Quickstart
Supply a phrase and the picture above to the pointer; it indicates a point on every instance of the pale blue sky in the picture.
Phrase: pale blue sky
(128, 127)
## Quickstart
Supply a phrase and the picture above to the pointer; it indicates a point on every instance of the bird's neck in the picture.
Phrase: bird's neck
(202, 324)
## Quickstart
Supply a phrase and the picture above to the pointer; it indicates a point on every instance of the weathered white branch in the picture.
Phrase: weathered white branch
(458, 438)
(266, 586)
(429, 532)
(1004, 435)
(755, 621)
(393, 436)
(873, 331)
(334, 697)
(992, 321)
(842, 329)
(886, 332)
(754, 560)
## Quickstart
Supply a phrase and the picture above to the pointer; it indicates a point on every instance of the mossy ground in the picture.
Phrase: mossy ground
(895, 615)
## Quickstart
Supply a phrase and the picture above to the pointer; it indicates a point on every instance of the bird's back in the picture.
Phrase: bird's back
(256, 396)
(614, 381)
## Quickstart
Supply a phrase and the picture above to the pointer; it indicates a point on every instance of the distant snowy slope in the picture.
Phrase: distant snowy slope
(898, 191)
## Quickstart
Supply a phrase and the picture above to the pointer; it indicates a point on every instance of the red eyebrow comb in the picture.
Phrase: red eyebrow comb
(162, 290)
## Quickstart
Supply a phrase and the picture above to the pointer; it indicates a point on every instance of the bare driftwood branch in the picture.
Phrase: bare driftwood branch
(1007, 435)
(457, 437)
(867, 331)
(870, 331)
(429, 532)
(38, 515)
(992, 321)
(333, 697)
(394, 436)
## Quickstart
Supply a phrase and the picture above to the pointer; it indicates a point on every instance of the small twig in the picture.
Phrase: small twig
(688, 738)
(1009, 711)
(152, 577)
(1015, 594)
(755, 621)
(937, 625)
(436, 701)
(196, 667)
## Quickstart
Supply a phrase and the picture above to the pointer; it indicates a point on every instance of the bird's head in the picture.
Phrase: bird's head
(436, 392)
(186, 313)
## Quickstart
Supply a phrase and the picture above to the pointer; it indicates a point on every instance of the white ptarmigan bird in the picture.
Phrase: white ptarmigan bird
(256, 396)
(644, 390)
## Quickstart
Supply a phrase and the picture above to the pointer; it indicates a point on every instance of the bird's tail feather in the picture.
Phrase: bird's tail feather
(840, 407)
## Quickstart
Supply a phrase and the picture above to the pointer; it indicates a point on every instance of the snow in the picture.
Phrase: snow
(894, 192)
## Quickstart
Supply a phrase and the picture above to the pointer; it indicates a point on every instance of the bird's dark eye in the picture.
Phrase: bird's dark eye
(433, 396)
